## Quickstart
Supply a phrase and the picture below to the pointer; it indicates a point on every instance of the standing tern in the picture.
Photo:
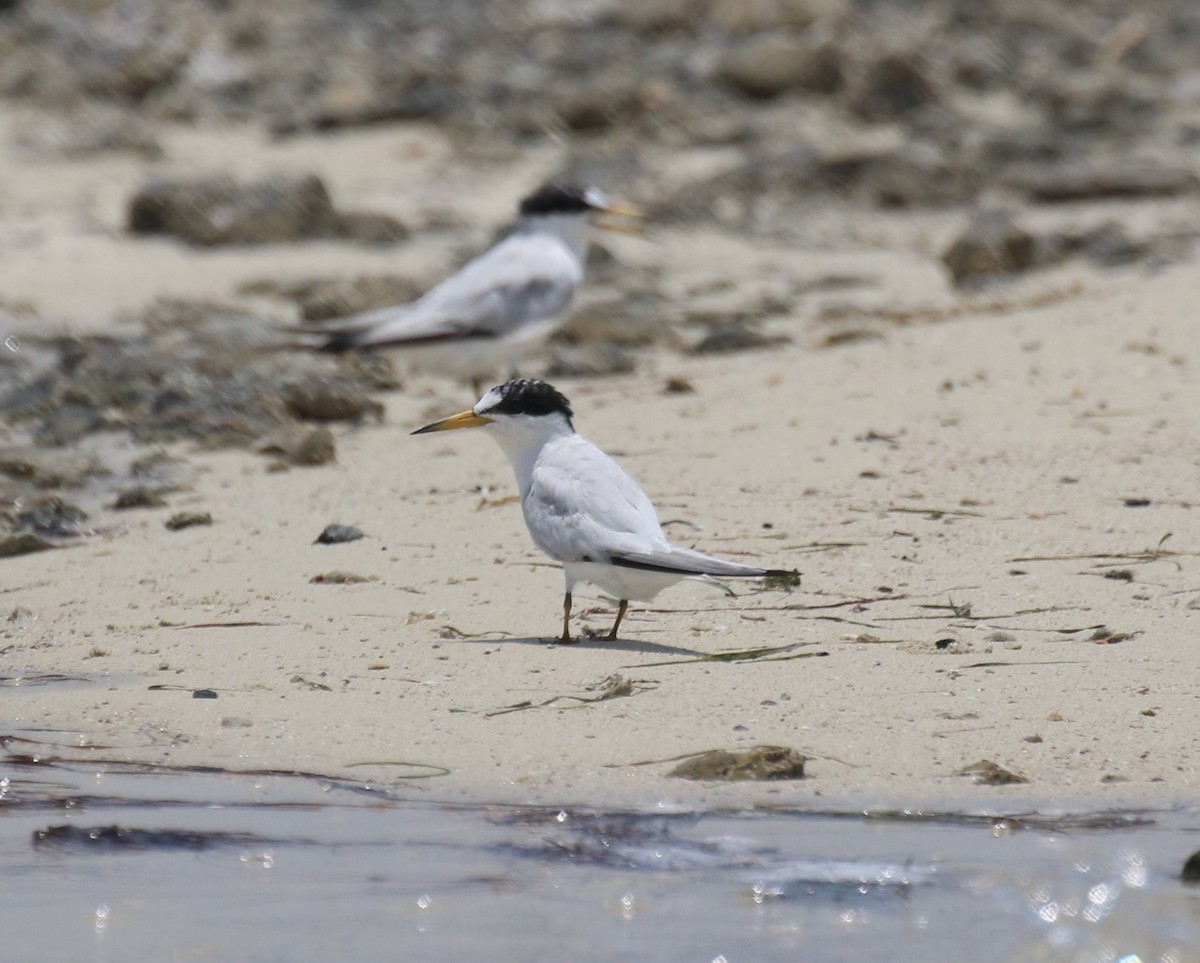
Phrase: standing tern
(579, 505)
(501, 305)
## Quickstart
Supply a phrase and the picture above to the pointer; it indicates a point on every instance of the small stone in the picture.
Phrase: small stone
(236, 722)
(1092, 179)
(992, 245)
(747, 15)
(24, 544)
(218, 210)
(48, 468)
(989, 773)
(336, 534)
(894, 86)
(337, 578)
(728, 339)
(320, 299)
(329, 401)
(369, 227)
(85, 132)
(67, 424)
(1191, 869)
(770, 64)
(594, 360)
(1109, 246)
(317, 447)
(182, 520)
(52, 516)
(204, 694)
(138, 497)
(761, 762)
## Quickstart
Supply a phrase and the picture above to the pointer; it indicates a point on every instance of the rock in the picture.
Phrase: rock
(182, 520)
(599, 105)
(315, 447)
(913, 174)
(68, 423)
(633, 319)
(1191, 869)
(183, 314)
(892, 87)
(49, 468)
(771, 64)
(391, 92)
(157, 465)
(761, 762)
(30, 397)
(369, 227)
(24, 544)
(331, 400)
(652, 16)
(94, 129)
(326, 298)
(726, 339)
(988, 773)
(139, 497)
(338, 578)
(992, 245)
(50, 515)
(337, 534)
(1093, 179)
(218, 210)
(593, 360)
(749, 15)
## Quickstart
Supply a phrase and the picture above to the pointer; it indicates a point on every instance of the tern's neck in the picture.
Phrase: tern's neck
(523, 447)
(572, 229)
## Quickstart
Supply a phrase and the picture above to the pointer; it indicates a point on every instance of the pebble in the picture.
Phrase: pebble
(991, 245)
(183, 520)
(336, 534)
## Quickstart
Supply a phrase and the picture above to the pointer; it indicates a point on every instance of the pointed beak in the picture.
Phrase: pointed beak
(621, 209)
(464, 419)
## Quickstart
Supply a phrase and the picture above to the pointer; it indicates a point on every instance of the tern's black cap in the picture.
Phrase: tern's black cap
(527, 396)
(558, 197)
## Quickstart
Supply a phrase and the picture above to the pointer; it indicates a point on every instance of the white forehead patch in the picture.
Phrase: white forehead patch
(597, 198)
(489, 400)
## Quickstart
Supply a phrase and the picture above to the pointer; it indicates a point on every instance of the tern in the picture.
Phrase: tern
(580, 507)
(501, 305)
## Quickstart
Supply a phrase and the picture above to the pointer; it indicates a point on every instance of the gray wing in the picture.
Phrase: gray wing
(527, 278)
(581, 506)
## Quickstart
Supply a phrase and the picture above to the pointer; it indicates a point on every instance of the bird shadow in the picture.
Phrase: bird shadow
(635, 646)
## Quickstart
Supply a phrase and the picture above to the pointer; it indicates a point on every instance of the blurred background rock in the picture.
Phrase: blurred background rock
(974, 142)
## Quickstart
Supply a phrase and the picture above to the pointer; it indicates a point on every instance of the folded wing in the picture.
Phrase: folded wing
(523, 280)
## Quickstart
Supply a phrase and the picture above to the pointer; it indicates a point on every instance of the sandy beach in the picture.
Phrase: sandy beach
(914, 314)
(991, 497)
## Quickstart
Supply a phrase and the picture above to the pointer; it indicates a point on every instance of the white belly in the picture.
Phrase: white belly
(621, 583)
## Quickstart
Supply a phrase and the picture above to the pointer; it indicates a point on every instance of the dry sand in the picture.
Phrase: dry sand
(966, 479)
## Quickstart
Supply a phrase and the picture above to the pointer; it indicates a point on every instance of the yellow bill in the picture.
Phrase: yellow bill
(620, 209)
(464, 419)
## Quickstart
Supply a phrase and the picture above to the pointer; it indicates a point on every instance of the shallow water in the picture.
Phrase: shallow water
(322, 870)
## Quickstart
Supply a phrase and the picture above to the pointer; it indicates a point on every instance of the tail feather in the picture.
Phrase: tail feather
(687, 562)
(339, 342)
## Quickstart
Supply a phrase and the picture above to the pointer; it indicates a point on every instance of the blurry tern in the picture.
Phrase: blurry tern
(579, 505)
(501, 305)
